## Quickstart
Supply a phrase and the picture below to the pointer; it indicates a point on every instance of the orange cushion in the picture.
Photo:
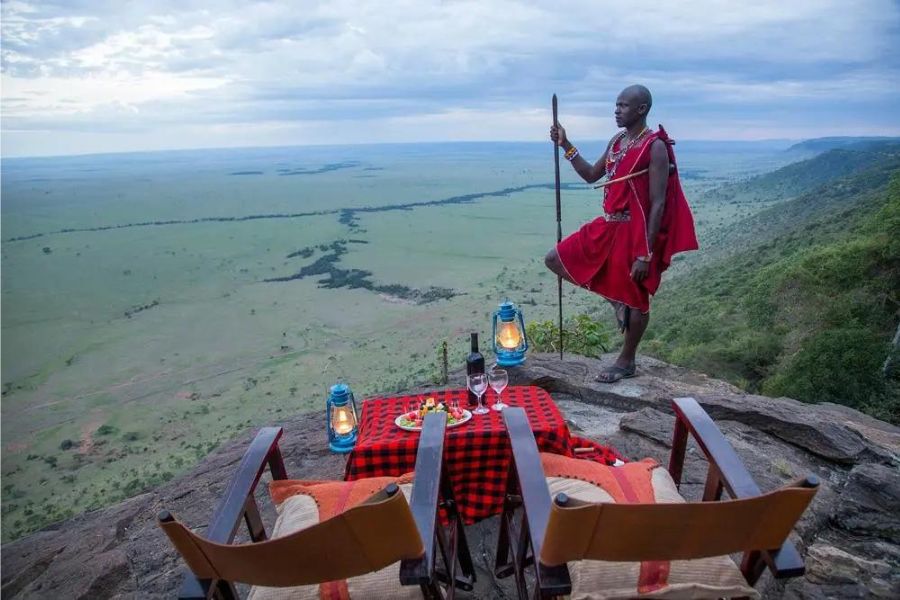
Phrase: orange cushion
(333, 497)
(301, 504)
(644, 481)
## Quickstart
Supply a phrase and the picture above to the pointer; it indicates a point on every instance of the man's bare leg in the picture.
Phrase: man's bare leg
(619, 310)
(554, 263)
(624, 365)
(637, 324)
(636, 328)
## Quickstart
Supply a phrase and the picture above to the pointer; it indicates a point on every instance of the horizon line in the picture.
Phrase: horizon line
(419, 143)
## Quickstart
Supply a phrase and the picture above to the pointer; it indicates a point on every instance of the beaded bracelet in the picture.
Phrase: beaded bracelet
(571, 153)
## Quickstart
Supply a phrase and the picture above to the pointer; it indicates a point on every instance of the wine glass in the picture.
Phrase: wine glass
(478, 385)
(498, 380)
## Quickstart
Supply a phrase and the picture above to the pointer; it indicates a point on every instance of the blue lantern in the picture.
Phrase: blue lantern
(510, 342)
(340, 410)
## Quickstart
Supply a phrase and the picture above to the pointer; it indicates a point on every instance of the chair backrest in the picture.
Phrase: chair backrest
(365, 538)
(644, 532)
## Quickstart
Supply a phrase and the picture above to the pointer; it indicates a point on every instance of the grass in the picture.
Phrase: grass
(142, 399)
(804, 315)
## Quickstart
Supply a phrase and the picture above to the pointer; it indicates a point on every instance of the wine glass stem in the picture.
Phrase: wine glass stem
(480, 404)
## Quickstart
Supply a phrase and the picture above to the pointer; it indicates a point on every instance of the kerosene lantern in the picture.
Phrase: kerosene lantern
(340, 410)
(510, 342)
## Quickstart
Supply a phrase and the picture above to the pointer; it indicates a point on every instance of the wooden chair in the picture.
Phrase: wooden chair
(590, 545)
(364, 539)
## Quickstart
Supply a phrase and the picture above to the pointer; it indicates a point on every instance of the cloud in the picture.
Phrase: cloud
(432, 70)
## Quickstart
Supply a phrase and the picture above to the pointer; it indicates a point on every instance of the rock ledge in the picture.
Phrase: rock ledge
(850, 537)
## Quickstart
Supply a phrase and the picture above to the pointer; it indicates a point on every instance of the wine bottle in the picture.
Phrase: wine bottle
(474, 365)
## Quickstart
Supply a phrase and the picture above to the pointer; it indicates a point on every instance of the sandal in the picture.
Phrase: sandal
(615, 373)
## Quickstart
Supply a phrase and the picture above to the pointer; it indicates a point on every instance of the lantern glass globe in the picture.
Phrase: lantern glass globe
(342, 420)
(508, 335)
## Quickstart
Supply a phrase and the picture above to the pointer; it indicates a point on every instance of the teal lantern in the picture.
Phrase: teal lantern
(343, 426)
(510, 342)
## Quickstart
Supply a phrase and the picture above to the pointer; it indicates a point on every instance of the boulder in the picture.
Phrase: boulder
(871, 502)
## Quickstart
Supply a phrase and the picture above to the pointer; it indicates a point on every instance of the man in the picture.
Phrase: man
(622, 254)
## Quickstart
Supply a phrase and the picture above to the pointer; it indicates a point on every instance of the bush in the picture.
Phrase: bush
(841, 365)
(806, 316)
(106, 430)
(581, 335)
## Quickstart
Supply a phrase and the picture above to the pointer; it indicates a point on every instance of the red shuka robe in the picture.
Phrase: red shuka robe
(599, 256)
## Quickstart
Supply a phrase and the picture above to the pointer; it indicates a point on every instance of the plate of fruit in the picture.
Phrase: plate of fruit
(412, 420)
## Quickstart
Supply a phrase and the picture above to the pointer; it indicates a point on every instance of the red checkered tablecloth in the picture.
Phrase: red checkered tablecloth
(476, 453)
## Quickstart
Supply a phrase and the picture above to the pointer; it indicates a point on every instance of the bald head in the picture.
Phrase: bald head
(632, 106)
(637, 95)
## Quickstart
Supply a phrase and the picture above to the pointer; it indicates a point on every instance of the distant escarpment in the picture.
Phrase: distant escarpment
(850, 536)
(829, 143)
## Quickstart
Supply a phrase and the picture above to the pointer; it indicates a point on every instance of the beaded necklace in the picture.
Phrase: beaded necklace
(613, 157)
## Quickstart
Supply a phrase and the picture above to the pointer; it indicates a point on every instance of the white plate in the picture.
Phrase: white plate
(466, 416)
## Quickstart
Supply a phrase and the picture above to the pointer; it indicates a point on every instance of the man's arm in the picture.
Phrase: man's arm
(589, 172)
(659, 177)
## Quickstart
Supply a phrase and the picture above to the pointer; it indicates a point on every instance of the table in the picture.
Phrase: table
(476, 453)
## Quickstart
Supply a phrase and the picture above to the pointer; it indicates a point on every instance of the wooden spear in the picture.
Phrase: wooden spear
(625, 178)
(558, 226)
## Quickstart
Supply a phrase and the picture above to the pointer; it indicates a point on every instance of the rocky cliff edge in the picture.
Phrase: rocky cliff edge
(850, 537)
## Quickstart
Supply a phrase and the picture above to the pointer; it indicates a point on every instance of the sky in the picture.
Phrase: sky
(110, 76)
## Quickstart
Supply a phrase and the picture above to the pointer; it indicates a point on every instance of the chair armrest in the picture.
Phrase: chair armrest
(238, 501)
(729, 470)
(263, 451)
(536, 500)
(735, 477)
(425, 496)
